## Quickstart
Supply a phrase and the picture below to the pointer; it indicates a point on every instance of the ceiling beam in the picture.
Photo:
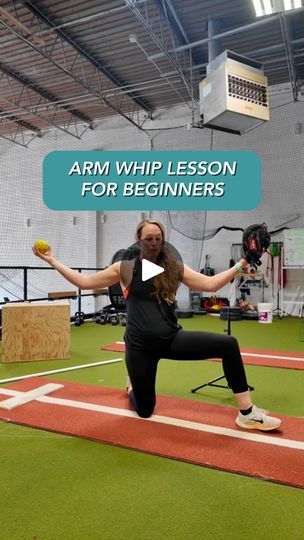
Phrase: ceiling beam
(169, 12)
(25, 97)
(121, 104)
(16, 134)
(244, 28)
(23, 123)
(159, 41)
(15, 23)
(289, 55)
(44, 93)
(86, 55)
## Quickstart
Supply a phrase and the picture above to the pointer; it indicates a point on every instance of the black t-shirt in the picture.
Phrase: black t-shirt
(150, 324)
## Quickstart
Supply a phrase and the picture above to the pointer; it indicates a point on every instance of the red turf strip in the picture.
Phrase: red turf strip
(278, 464)
(250, 360)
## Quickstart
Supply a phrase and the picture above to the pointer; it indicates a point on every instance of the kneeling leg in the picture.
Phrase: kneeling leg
(142, 367)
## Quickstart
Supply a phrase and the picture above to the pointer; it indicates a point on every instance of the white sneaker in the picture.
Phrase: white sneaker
(257, 419)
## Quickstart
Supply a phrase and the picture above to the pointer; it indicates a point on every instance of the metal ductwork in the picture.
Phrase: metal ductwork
(234, 95)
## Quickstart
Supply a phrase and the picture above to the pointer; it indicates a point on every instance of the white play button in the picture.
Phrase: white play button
(131, 258)
(149, 270)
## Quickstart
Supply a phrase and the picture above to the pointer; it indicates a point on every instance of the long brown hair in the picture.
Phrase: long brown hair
(167, 282)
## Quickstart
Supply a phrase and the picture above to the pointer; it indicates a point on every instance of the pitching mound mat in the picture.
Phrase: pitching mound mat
(185, 430)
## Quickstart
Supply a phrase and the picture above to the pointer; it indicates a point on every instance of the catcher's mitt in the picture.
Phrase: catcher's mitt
(256, 240)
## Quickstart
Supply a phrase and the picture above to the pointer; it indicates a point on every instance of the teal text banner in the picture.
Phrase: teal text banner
(152, 180)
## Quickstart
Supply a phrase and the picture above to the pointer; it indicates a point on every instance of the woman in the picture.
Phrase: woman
(152, 329)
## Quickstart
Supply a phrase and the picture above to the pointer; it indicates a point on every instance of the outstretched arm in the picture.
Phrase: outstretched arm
(104, 278)
(200, 282)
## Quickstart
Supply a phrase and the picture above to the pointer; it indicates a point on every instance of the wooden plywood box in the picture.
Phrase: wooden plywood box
(35, 331)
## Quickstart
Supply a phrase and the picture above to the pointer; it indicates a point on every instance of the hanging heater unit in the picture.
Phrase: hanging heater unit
(234, 95)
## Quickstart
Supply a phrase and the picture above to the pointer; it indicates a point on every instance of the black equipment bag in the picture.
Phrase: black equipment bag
(207, 270)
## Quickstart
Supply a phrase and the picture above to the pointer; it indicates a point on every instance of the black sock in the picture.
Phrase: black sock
(246, 411)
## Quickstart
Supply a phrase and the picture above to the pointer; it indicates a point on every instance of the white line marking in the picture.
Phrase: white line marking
(26, 397)
(61, 370)
(257, 355)
(179, 422)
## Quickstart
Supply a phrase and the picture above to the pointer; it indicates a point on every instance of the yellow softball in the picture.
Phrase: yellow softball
(42, 246)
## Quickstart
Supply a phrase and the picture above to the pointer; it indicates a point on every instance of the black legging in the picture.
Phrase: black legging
(142, 364)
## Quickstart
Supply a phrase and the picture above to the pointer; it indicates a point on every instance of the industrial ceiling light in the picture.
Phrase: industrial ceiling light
(267, 7)
(258, 8)
(297, 3)
(287, 5)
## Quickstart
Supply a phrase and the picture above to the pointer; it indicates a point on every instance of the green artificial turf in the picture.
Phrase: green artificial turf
(282, 334)
(56, 487)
